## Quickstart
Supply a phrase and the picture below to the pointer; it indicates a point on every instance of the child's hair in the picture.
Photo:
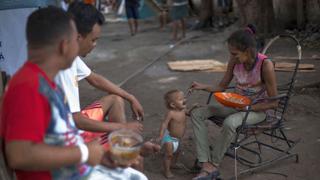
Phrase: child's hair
(168, 97)
(251, 28)
(244, 39)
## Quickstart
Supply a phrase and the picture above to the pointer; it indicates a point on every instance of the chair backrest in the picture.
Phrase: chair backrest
(287, 88)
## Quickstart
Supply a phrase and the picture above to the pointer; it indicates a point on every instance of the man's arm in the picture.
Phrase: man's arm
(87, 124)
(27, 155)
(104, 84)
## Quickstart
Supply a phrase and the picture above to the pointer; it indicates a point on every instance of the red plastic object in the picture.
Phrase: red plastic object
(232, 99)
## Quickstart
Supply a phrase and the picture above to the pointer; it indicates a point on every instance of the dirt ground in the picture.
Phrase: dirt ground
(119, 55)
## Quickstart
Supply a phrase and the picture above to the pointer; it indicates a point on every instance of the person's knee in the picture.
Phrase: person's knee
(168, 155)
(197, 113)
(230, 123)
(168, 150)
(113, 99)
(118, 99)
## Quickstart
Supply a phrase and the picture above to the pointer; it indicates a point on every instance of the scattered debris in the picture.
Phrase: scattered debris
(279, 58)
(210, 65)
(289, 67)
(198, 65)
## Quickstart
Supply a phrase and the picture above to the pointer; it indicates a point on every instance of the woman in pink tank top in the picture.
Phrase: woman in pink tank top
(254, 77)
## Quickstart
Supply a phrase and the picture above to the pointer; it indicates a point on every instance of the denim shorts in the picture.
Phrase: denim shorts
(132, 12)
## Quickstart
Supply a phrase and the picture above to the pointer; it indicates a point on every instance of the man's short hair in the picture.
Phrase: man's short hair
(85, 16)
(46, 26)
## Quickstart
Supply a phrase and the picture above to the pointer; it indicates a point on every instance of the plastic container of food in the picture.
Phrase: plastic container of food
(233, 100)
(125, 146)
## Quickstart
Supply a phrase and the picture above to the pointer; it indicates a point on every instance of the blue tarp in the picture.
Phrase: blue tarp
(145, 11)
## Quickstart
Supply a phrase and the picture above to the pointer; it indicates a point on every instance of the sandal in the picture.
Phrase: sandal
(181, 166)
(210, 175)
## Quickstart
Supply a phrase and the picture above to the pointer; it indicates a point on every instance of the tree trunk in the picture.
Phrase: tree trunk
(259, 13)
(206, 13)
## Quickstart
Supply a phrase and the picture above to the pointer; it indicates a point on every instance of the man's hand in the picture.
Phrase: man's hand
(137, 109)
(135, 126)
(96, 152)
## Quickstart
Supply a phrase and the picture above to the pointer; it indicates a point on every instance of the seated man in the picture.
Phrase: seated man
(41, 140)
(88, 22)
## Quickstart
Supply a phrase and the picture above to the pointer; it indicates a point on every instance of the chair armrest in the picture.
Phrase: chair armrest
(278, 97)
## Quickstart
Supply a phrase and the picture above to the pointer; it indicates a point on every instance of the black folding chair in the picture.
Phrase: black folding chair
(248, 138)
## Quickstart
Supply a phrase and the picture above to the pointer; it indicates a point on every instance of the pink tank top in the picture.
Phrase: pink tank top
(249, 83)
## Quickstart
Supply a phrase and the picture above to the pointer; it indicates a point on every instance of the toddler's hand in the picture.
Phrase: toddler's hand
(157, 140)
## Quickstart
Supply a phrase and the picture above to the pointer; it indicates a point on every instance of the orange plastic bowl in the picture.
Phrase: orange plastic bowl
(232, 99)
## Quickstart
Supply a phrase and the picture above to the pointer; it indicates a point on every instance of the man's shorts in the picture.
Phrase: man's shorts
(94, 112)
(224, 3)
(132, 12)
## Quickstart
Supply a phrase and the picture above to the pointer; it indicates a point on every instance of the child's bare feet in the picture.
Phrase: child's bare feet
(168, 174)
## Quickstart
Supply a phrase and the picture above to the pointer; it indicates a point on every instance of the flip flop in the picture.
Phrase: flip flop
(215, 175)
(203, 177)
(210, 175)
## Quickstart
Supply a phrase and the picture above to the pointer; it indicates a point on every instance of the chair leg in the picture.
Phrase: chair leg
(265, 164)
(285, 137)
(259, 146)
(282, 138)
